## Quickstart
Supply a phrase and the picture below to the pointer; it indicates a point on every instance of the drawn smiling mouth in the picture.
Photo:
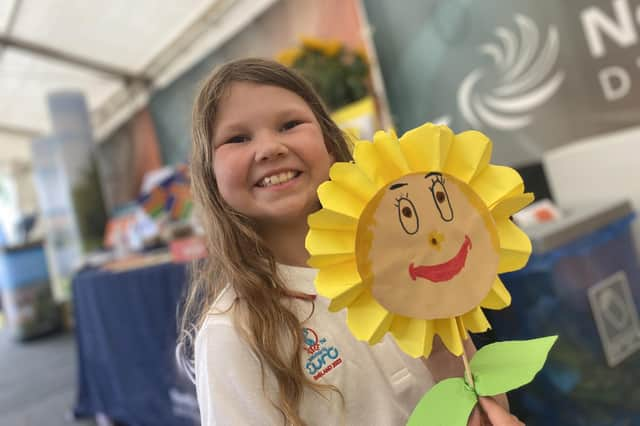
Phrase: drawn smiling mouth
(443, 271)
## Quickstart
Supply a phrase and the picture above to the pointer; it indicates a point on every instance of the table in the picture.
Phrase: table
(571, 259)
(126, 332)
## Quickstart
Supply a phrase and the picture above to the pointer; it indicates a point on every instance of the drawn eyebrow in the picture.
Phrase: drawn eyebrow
(397, 185)
(431, 174)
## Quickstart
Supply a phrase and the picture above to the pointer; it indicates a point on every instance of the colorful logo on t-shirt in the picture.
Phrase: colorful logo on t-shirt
(321, 358)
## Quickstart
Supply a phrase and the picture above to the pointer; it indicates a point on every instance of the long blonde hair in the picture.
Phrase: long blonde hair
(237, 256)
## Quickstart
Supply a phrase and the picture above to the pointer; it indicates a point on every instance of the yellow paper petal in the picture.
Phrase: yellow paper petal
(325, 260)
(324, 241)
(495, 183)
(351, 178)
(340, 296)
(374, 167)
(341, 283)
(341, 273)
(462, 330)
(327, 219)
(511, 205)
(468, 156)
(475, 321)
(389, 148)
(340, 200)
(515, 246)
(498, 296)
(367, 319)
(447, 329)
(414, 336)
(426, 148)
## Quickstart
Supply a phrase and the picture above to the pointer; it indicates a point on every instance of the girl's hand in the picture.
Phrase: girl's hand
(490, 413)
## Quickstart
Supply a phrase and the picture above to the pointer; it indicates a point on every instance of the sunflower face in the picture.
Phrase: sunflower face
(444, 245)
(412, 235)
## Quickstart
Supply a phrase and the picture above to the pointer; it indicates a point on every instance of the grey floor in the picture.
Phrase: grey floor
(37, 381)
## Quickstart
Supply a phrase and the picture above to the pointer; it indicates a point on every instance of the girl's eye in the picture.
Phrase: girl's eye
(291, 124)
(407, 215)
(237, 139)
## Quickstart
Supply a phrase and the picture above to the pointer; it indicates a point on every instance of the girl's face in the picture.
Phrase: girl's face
(269, 154)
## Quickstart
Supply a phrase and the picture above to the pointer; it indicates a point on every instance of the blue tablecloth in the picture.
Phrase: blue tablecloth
(126, 333)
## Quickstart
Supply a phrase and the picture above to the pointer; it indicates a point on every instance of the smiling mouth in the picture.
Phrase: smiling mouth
(278, 179)
(443, 271)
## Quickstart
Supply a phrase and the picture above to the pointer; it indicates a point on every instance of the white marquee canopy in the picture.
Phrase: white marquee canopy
(116, 52)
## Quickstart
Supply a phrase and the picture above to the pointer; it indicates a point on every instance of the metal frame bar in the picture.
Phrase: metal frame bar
(13, 17)
(19, 131)
(59, 55)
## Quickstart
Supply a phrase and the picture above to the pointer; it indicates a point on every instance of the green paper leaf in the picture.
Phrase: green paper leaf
(501, 367)
(449, 403)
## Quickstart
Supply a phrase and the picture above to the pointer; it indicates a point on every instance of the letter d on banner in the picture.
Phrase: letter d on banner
(615, 82)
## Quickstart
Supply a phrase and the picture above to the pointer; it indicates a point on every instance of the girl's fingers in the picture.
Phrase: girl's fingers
(478, 418)
(475, 419)
(496, 414)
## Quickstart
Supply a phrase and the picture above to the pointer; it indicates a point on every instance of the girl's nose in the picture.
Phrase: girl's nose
(269, 147)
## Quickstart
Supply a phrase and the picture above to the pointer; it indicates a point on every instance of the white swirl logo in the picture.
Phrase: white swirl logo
(526, 78)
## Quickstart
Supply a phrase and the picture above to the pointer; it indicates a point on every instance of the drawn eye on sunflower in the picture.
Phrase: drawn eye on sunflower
(413, 234)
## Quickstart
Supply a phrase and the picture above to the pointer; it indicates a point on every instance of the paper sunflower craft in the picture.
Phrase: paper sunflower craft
(412, 235)
(410, 240)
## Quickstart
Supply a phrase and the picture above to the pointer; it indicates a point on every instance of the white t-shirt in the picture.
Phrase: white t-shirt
(381, 385)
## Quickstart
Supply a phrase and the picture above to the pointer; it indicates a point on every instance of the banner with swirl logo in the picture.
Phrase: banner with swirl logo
(532, 75)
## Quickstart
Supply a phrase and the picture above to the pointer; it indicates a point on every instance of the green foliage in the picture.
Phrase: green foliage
(449, 403)
(339, 78)
(497, 368)
(504, 366)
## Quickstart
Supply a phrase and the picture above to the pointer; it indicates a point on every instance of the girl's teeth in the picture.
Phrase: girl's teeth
(277, 179)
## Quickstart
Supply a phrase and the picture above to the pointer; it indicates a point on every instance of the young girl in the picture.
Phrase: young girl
(267, 351)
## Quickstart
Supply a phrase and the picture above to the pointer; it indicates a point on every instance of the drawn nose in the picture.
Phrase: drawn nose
(436, 239)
